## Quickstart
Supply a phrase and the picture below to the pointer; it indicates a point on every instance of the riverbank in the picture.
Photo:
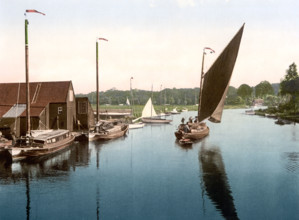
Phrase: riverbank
(137, 109)
(269, 112)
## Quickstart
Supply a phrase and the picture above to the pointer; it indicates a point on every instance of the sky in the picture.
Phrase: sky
(157, 42)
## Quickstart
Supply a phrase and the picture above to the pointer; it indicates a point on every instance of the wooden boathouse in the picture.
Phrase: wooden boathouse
(53, 106)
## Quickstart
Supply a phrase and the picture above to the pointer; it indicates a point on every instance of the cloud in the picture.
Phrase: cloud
(186, 3)
(153, 3)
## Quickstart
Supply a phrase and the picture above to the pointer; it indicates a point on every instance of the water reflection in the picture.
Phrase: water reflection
(292, 161)
(215, 182)
(54, 166)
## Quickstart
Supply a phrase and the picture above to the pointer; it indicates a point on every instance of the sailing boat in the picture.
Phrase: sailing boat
(213, 89)
(37, 143)
(105, 130)
(149, 114)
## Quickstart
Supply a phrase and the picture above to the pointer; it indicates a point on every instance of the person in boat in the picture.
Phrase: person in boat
(190, 119)
(183, 127)
(195, 120)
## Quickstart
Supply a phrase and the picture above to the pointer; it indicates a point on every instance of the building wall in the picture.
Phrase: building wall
(71, 108)
(57, 118)
(85, 116)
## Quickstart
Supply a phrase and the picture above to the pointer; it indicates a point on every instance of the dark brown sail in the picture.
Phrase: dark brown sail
(216, 81)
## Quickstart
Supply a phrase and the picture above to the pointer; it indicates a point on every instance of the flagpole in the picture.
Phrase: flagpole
(97, 75)
(28, 127)
(202, 76)
(97, 80)
(27, 80)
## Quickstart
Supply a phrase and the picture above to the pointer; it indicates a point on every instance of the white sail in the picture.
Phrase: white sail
(127, 102)
(148, 110)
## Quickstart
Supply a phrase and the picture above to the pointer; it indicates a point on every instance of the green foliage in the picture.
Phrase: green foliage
(234, 100)
(263, 88)
(245, 91)
(290, 86)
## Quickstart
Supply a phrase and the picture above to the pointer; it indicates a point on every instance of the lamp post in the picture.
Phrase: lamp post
(27, 71)
(202, 75)
(97, 74)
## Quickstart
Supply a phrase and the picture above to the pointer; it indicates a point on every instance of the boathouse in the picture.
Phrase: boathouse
(85, 116)
(53, 106)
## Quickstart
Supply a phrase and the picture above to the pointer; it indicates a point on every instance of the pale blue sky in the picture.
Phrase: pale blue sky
(157, 42)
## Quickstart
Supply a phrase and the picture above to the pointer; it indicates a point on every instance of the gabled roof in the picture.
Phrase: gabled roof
(41, 93)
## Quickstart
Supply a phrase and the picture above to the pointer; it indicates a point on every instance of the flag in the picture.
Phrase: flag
(208, 48)
(102, 39)
(34, 11)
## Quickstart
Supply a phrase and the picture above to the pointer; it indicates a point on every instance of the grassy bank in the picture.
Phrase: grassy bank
(160, 108)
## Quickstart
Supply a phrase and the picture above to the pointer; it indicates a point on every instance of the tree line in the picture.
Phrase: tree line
(273, 94)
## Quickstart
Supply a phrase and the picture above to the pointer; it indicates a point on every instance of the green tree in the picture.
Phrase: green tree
(290, 85)
(263, 88)
(245, 91)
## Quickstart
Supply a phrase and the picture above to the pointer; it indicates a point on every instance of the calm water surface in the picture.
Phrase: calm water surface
(247, 168)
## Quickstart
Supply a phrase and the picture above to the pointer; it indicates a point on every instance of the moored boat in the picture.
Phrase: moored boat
(43, 144)
(106, 130)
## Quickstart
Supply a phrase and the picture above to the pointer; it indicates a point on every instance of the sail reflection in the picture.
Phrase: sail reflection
(215, 181)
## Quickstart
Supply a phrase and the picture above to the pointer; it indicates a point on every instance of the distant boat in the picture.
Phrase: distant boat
(250, 112)
(174, 111)
(149, 114)
(184, 110)
(213, 89)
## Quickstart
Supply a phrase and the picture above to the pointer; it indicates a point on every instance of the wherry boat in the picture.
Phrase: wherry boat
(213, 89)
(105, 130)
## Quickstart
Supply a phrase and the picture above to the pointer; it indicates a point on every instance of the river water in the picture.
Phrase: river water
(247, 168)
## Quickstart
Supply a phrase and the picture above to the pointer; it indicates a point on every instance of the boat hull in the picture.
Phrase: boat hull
(193, 135)
(136, 125)
(156, 120)
(29, 153)
(108, 135)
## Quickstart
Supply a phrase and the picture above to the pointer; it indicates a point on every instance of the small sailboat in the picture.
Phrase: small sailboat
(105, 130)
(213, 89)
(174, 112)
(149, 114)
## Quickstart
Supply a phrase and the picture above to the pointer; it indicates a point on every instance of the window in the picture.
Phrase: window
(59, 110)
(82, 108)
(71, 95)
